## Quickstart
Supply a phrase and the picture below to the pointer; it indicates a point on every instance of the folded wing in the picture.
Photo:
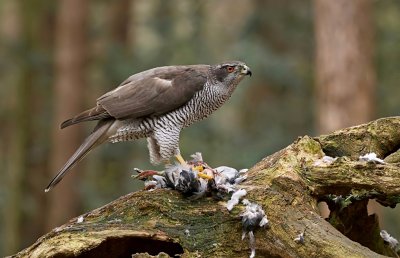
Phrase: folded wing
(150, 93)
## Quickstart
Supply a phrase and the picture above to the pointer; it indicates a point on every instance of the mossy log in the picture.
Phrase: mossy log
(288, 185)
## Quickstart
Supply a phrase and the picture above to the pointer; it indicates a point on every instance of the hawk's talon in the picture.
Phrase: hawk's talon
(204, 176)
(198, 168)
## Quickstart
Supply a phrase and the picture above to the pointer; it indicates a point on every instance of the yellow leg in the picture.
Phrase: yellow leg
(180, 159)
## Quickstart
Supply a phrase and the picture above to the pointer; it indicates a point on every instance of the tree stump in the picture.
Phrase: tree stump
(287, 184)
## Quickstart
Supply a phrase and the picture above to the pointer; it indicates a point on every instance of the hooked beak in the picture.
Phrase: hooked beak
(246, 70)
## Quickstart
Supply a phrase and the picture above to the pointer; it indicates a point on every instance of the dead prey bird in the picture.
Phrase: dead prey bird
(187, 180)
(156, 104)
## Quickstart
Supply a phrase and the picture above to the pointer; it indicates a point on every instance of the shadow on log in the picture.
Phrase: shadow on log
(288, 185)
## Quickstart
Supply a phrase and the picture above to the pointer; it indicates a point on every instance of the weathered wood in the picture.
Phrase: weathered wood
(287, 184)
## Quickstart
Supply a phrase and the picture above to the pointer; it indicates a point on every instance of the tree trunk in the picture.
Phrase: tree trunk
(119, 22)
(69, 87)
(16, 138)
(287, 184)
(345, 74)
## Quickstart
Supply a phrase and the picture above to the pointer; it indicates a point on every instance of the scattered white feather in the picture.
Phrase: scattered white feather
(80, 219)
(187, 232)
(114, 221)
(371, 157)
(197, 157)
(243, 171)
(235, 198)
(300, 238)
(150, 183)
(324, 161)
(392, 242)
(245, 202)
(264, 221)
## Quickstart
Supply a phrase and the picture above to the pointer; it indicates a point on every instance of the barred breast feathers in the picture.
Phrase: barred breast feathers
(129, 130)
(203, 104)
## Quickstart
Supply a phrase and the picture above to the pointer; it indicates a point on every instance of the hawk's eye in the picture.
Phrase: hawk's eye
(230, 69)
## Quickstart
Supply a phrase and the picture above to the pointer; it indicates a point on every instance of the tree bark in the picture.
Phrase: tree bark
(69, 87)
(344, 63)
(287, 184)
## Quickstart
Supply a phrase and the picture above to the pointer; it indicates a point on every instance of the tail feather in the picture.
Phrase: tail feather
(96, 113)
(97, 137)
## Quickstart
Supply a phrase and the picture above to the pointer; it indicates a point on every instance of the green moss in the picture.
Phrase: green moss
(309, 145)
(393, 199)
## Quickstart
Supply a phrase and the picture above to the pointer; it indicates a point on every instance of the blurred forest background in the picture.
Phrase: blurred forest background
(317, 66)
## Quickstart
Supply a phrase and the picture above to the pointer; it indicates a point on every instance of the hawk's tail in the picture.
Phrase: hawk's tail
(97, 137)
(96, 113)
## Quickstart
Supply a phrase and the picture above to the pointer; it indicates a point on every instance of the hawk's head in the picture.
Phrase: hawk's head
(230, 73)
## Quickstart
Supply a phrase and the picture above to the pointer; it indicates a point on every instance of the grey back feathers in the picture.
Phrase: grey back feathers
(156, 104)
(154, 92)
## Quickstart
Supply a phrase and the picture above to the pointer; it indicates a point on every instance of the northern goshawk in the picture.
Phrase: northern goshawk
(157, 104)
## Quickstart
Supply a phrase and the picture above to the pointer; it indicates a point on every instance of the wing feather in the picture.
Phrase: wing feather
(154, 92)
(150, 93)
